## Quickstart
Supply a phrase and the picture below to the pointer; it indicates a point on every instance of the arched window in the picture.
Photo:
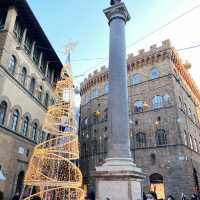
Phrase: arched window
(161, 137)
(3, 109)
(14, 120)
(136, 79)
(154, 73)
(46, 100)
(106, 88)
(34, 131)
(43, 136)
(195, 145)
(180, 102)
(39, 92)
(25, 126)
(191, 142)
(12, 64)
(157, 102)
(138, 106)
(166, 98)
(185, 138)
(140, 140)
(185, 107)
(189, 112)
(32, 86)
(23, 76)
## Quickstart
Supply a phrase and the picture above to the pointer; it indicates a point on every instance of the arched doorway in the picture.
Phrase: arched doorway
(157, 185)
(20, 182)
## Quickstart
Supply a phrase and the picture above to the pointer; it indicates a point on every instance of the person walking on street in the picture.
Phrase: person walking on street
(170, 197)
(151, 196)
(17, 196)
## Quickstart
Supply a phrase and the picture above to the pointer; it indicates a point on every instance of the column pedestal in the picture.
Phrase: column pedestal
(118, 179)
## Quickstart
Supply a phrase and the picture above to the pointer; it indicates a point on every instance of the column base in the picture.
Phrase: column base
(118, 179)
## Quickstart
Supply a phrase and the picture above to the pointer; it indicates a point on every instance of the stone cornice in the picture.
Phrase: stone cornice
(9, 132)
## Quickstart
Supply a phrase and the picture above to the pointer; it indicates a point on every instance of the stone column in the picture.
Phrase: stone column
(118, 178)
(118, 95)
(10, 19)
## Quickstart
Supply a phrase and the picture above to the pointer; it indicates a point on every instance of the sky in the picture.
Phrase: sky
(84, 22)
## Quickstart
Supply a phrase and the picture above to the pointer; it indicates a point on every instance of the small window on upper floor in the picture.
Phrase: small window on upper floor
(12, 64)
(39, 93)
(25, 126)
(138, 106)
(23, 76)
(34, 132)
(46, 100)
(140, 140)
(185, 108)
(136, 79)
(161, 137)
(195, 145)
(191, 142)
(3, 110)
(166, 98)
(185, 138)
(189, 112)
(154, 73)
(14, 120)
(32, 86)
(157, 102)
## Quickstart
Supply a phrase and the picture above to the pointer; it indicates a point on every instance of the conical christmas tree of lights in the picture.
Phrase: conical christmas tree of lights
(52, 170)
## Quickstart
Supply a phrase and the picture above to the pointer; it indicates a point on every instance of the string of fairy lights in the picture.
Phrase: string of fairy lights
(52, 172)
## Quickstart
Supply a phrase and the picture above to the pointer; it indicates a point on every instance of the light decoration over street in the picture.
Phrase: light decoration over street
(52, 171)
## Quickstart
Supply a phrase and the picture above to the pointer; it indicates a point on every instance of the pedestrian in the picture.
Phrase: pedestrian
(144, 196)
(170, 197)
(17, 196)
(194, 197)
(1, 195)
(183, 197)
(151, 196)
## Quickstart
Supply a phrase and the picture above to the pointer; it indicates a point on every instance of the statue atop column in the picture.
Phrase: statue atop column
(114, 2)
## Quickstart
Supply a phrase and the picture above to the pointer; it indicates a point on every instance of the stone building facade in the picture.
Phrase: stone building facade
(163, 121)
(29, 68)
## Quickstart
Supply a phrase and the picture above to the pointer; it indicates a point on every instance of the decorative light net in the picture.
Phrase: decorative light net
(52, 173)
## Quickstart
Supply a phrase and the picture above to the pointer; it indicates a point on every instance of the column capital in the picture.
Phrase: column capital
(117, 11)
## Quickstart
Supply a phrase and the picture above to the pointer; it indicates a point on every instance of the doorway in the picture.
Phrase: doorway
(157, 185)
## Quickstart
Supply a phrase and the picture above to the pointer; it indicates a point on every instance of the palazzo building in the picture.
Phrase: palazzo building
(29, 68)
(163, 121)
